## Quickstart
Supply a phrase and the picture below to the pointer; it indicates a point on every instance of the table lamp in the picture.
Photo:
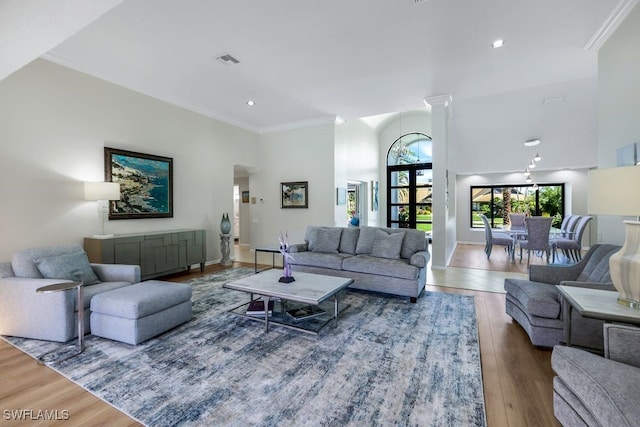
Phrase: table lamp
(616, 191)
(102, 192)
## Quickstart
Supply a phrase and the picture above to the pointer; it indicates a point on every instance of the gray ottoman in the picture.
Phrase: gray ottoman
(135, 313)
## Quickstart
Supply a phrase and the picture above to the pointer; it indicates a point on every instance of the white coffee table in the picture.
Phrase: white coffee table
(309, 289)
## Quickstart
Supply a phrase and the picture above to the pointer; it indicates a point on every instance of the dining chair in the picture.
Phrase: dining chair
(537, 239)
(568, 226)
(571, 246)
(517, 221)
(495, 238)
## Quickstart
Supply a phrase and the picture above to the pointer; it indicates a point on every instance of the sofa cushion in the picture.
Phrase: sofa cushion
(387, 245)
(368, 236)
(414, 240)
(142, 299)
(539, 299)
(74, 266)
(328, 240)
(6, 270)
(319, 259)
(324, 239)
(399, 268)
(606, 389)
(98, 288)
(349, 240)
(597, 269)
(24, 262)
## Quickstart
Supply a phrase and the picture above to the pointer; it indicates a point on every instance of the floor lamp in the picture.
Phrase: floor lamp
(102, 192)
(616, 191)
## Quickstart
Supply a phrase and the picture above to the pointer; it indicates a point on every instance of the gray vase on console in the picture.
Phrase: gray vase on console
(225, 224)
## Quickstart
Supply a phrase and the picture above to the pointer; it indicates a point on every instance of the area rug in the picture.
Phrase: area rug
(388, 362)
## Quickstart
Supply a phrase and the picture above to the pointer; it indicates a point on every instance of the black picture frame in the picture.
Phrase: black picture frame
(146, 184)
(294, 195)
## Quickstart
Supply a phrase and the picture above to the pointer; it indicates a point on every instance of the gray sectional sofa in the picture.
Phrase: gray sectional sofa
(389, 260)
(536, 305)
(590, 390)
(28, 314)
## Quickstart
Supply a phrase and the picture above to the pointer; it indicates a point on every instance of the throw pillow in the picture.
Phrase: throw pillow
(388, 246)
(312, 236)
(327, 240)
(349, 240)
(73, 267)
(366, 240)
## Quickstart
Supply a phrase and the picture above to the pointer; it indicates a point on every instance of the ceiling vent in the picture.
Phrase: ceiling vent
(228, 59)
(419, 1)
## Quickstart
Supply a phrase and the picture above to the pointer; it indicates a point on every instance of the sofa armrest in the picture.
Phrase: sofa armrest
(117, 272)
(603, 286)
(622, 343)
(298, 247)
(553, 274)
(26, 313)
(420, 259)
(6, 270)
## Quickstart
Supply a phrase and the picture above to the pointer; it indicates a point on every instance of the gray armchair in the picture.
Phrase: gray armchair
(590, 390)
(536, 306)
(53, 316)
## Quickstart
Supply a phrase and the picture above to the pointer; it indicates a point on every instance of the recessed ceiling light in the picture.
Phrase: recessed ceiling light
(251, 103)
(498, 43)
(532, 142)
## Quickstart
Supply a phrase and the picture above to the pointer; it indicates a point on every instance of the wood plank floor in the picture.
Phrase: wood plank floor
(517, 376)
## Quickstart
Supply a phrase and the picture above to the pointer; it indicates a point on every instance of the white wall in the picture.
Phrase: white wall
(506, 120)
(575, 187)
(305, 154)
(356, 159)
(54, 123)
(619, 105)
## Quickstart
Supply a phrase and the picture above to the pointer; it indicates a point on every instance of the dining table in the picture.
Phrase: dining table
(520, 233)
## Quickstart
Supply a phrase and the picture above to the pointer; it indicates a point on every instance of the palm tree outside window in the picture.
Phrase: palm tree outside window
(410, 182)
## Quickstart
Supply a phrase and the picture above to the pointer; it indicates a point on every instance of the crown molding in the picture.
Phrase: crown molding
(610, 24)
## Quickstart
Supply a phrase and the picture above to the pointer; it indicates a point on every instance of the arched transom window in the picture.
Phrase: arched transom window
(410, 182)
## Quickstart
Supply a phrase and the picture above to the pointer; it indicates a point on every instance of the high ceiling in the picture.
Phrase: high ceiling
(307, 61)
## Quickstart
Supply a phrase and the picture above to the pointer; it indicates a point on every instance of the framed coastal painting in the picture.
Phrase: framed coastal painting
(245, 197)
(294, 194)
(146, 184)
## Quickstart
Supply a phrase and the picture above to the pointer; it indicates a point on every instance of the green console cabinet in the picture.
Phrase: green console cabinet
(157, 253)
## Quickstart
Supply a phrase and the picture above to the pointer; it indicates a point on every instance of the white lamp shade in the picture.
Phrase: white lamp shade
(101, 191)
(614, 191)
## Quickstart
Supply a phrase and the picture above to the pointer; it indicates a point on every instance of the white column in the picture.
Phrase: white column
(443, 243)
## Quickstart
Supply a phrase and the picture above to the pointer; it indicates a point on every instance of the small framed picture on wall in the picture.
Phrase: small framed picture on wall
(294, 194)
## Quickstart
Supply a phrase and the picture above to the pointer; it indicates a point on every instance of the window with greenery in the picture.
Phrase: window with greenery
(496, 202)
(410, 182)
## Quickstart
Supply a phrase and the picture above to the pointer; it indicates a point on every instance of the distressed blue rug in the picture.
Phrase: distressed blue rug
(389, 362)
